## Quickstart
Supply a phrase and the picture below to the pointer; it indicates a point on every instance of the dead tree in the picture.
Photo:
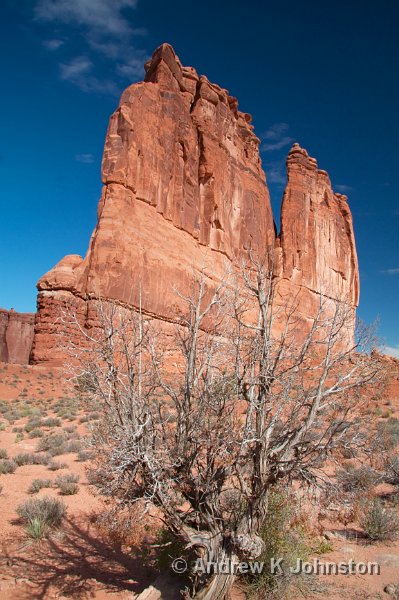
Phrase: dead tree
(202, 419)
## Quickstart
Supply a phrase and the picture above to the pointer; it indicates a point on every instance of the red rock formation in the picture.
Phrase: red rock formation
(16, 336)
(315, 251)
(183, 189)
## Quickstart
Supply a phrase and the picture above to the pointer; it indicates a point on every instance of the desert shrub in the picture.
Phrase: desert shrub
(283, 538)
(380, 523)
(392, 470)
(69, 416)
(3, 453)
(55, 465)
(31, 459)
(36, 529)
(11, 416)
(33, 424)
(73, 446)
(51, 422)
(40, 515)
(7, 466)
(387, 435)
(19, 437)
(67, 484)
(39, 484)
(17, 429)
(84, 455)
(354, 479)
(53, 443)
(2, 426)
(36, 433)
(70, 429)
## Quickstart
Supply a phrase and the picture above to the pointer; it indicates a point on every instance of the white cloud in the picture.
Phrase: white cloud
(391, 351)
(53, 44)
(344, 189)
(106, 31)
(85, 158)
(100, 17)
(276, 137)
(79, 72)
(275, 172)
(133, 69)
(74, 70)
(391, 271)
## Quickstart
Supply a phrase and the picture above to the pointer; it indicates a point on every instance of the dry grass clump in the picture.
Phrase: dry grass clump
(41, 515)
(67, 484)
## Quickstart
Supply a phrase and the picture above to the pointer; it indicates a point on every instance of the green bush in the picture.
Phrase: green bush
(36, 529)
(7, 466)
(283, 538)
(380, 523)
(3, 453)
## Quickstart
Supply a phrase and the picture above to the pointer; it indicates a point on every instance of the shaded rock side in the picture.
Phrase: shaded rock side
(16, 336)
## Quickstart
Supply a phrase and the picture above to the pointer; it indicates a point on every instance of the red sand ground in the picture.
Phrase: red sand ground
(80, 561)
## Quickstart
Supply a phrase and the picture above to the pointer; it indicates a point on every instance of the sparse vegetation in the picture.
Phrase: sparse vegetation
(31, 459)
(41, 515)
(284, 537)
(55, 465)
(51, 422)
(39, 484)
(7, 466)
(354, 479)
(3, 453)
(380, 523)
(67, 484)
(84, 455)
(36, 433)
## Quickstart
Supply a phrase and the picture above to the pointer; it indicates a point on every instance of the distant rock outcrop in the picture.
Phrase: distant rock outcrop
(16, 336)
(183, 189)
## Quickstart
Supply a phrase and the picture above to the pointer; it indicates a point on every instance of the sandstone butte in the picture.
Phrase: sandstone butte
(184, 189)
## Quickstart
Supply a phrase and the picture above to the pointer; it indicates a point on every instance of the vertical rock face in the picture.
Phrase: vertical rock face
(184, 190)
(316, 244)
(315, 250)
(16, 336)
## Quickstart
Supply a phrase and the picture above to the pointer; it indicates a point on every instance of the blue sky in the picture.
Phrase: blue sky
(324, 74)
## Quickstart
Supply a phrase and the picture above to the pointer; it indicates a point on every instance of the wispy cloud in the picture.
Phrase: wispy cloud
(101, 18)
(77, 67)
(105, 29)
(391, 351)
(85, 158)
(79, 72)
(344, 189)
(391, 271)
(276, 137)
(53, 44)
(275, 172)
